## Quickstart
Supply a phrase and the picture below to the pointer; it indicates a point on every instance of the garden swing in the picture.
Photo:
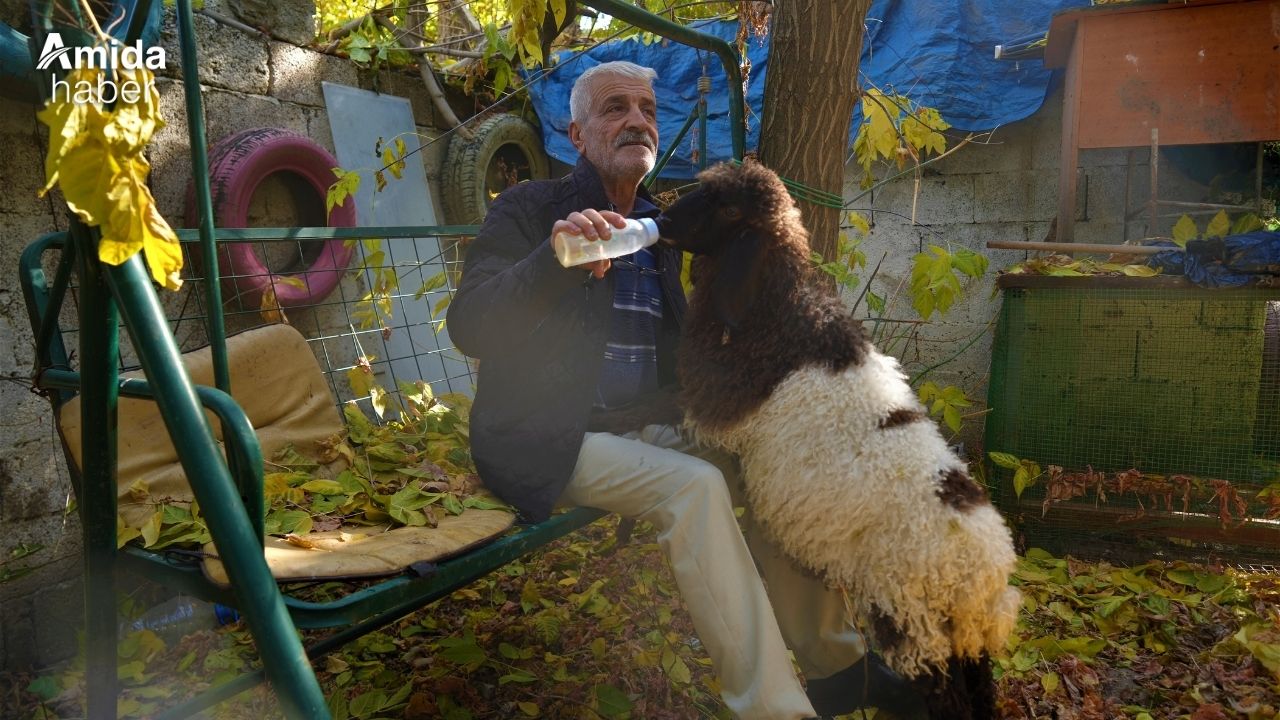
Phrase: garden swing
(98, 404)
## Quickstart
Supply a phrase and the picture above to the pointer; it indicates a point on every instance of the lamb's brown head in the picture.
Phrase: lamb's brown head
(731, 200)
(738, 221)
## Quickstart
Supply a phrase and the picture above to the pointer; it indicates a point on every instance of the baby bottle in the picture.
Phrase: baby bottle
(574, 249)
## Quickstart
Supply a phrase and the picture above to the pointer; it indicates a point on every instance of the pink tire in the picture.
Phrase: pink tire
(237, 166)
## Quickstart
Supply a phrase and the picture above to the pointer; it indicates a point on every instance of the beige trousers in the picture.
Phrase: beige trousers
(683, 490)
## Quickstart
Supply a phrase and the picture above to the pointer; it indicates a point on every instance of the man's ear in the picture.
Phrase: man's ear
(737, 278)
(575, 135)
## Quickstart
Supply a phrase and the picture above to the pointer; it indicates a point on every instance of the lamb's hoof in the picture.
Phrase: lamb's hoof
(868, 683)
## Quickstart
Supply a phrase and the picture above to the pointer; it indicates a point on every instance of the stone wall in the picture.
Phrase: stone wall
(247, 80)
(1005, 188)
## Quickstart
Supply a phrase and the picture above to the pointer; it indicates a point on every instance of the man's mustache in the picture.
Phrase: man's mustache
(632, 138)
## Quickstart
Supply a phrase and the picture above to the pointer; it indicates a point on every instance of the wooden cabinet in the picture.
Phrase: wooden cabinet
(1183, 73)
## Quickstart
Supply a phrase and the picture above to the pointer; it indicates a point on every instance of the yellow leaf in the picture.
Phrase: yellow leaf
(1139, 271)
(1049, 681)
(1021, 480)
(378, 396)
(124, 533)
(389, 160)
(269, 308)
(323, 487)
(132, 125)
(858, 222)
(529, 708)
(1218, 226)
(83, 173)
(360, 378)
(151, 529)
(67, 124)
(1185, 230)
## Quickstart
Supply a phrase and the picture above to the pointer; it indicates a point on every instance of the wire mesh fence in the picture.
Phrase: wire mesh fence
(380, 310)
(1137, 417)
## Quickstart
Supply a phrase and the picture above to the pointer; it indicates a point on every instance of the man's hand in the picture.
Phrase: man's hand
(595, 225)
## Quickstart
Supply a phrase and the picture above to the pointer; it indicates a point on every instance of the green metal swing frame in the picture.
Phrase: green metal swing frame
(230, 489)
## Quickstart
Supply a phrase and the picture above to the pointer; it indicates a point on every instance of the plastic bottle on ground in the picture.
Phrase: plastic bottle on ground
(180, 616)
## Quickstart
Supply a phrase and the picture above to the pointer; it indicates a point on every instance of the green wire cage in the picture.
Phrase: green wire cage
(1137, 418)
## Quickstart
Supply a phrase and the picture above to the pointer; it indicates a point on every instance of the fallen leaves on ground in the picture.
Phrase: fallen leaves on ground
(582, 629)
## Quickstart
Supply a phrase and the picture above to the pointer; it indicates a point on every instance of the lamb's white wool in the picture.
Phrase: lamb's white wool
(860, 506)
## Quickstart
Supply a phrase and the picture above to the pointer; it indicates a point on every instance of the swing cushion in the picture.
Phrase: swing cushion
(278, 383)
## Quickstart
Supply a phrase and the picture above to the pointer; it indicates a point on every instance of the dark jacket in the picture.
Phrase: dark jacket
(539, 331)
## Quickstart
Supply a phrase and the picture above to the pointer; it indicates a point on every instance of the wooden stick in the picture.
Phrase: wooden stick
(1069, 248)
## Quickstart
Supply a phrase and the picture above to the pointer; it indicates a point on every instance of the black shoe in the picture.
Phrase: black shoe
(868, 683)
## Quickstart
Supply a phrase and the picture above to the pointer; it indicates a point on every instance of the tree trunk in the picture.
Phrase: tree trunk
(809, 96)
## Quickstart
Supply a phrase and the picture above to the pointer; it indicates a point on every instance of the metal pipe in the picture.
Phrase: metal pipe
(671, 149)
(99, 353)
(729, 59)
(200, 175)
(1069, 248)
(238, 544)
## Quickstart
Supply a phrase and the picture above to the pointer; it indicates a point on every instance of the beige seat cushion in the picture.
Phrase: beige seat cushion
(356, 552)
(276, 380)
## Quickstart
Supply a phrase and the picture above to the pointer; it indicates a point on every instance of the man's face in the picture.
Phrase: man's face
(620, 134)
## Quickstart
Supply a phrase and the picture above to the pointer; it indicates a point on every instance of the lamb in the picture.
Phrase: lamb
(842, 467)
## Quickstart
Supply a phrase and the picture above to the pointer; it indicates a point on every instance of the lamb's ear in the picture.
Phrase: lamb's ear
(737, 276)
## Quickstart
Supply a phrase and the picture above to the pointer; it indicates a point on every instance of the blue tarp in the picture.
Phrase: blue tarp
(937, 52)
(1232, 261)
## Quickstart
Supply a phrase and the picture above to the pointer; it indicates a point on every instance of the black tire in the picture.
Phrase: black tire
(505, 150)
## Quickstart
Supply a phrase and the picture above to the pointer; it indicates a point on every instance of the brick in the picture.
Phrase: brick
(405, 84)
(228, 58)
(230, 112)
(57, 612)
(170, 154)
(296, 73)
(942, 199)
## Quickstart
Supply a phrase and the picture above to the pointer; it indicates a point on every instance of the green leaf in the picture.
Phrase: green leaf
(322, 487)
(610, 701)
(44, 687)
(1246, 223)
(951, 416)
(530, 709)
(358, 426)
(1004, 460)
(463, 651)
(875, 302)
(366, 704)
(517, 676)
(1050, 681)
(1218, 226)
(1263, 641)
(1021, 481)
(435, 282)
(441, 305)
(1185, 230)
(675, 667)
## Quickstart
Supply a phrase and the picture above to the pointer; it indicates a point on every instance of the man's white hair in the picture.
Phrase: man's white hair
(580, 96)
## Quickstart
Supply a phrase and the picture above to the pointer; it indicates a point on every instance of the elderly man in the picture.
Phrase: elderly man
(570, 353)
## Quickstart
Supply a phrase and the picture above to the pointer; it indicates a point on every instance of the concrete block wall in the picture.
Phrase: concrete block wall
(246, 81)
(1003, 188)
